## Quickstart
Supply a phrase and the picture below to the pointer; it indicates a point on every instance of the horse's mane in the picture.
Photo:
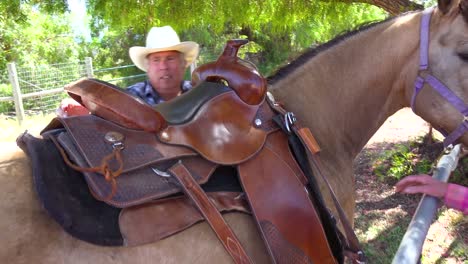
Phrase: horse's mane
(309, 53)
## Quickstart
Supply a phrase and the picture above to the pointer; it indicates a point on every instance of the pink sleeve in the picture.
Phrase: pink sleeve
(457, 197)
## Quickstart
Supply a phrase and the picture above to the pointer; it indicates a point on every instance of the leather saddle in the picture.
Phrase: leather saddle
(137, 158)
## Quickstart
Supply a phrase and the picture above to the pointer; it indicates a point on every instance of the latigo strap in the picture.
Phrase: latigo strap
(209, 211)
(353, 248)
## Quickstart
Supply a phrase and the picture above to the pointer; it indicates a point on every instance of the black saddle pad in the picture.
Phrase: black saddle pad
(64, 194)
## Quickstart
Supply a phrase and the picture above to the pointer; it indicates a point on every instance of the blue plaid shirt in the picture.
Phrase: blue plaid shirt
(145, 91)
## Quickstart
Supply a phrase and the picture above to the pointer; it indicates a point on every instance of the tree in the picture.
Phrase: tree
(278, 29)
(42, 38)
(394, 7)
(186, 14)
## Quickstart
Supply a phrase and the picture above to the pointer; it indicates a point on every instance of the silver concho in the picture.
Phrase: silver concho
(115, 138)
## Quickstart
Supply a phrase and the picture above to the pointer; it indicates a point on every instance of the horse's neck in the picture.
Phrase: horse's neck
(345, 93)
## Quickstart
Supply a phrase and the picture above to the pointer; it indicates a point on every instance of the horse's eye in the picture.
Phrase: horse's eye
(463, 56)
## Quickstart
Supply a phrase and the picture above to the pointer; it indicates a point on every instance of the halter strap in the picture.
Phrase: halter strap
(424, 39)
(441, 88)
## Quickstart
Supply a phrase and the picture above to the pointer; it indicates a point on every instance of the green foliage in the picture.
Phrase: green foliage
(216, 15)
(17, 18)
(278, 29)
(413, 157)
(396, 162)
(459, 176)
(426, 3)
(377, 230)
(6, 91)
(42, 39)
(460, 247)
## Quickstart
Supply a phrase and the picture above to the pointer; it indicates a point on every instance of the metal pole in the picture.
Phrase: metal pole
(13, 76)
(411, 245)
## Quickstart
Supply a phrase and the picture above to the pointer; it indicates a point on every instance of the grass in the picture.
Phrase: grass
(382, 215)
(405, 159)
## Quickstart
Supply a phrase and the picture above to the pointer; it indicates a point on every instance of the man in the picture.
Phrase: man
(165, 60)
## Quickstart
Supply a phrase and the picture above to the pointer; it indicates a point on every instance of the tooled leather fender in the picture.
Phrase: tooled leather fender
(242, 76)
(288, 220)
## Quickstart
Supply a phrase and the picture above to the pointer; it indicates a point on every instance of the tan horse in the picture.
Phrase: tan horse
(344, 93)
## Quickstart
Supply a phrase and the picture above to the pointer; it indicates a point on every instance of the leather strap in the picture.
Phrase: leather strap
(209, 211)
(153, 221)
(354, 249)
(352, 240)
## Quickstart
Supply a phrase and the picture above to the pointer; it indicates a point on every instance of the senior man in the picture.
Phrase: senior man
(164, 58)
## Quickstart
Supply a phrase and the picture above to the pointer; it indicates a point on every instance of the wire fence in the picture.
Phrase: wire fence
(42, 86)
(30, 90)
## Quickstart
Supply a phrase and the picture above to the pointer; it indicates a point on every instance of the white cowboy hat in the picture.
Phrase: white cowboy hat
(163, 39)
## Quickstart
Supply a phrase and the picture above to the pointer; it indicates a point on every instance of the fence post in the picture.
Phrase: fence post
(193, 66)
(89, 67)
(13, 76)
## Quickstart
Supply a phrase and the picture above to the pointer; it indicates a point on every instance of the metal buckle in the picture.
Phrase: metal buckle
(118, 145)
(447, 149)
(289, 120)
(361, 257)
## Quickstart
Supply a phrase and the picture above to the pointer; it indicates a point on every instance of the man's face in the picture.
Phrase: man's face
(166, 71)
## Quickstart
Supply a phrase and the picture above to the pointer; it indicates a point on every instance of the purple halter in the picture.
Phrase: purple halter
(458, 103)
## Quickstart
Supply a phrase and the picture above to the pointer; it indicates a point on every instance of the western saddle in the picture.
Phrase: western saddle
(138, 158)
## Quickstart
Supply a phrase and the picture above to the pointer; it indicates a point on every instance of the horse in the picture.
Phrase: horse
(343, 91)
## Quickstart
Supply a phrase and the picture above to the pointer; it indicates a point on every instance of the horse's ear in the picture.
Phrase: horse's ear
(444, 5)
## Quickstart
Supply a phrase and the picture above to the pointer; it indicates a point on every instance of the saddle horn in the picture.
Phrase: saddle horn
(242, 76)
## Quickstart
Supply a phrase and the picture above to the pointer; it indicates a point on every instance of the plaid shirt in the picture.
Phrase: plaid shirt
(457, 197)
(145, 91)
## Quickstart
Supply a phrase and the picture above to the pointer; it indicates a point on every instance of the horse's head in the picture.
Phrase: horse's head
(444, 75)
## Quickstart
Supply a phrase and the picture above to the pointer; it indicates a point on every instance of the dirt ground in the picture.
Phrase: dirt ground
(377, 204)
(401, 126)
